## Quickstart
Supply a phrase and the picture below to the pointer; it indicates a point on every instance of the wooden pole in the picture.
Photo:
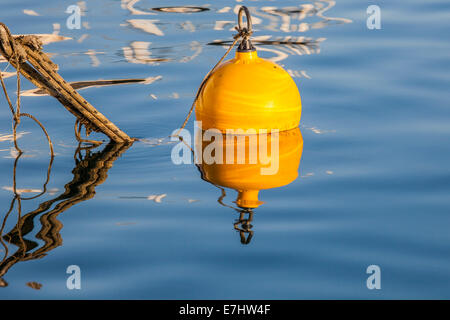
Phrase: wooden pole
(37, 67)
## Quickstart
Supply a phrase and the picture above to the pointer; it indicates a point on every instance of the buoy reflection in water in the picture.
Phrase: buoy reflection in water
(244, 162)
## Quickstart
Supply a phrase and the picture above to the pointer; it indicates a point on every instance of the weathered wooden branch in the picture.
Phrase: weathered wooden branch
(25, 54)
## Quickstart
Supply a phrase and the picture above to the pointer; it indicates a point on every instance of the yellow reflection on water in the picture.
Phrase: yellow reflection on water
(258, 162)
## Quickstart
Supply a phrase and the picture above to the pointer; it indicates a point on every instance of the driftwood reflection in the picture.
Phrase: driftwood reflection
(91, 170)
(79, 85)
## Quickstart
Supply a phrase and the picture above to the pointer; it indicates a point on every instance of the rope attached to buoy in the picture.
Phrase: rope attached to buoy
(244, 34)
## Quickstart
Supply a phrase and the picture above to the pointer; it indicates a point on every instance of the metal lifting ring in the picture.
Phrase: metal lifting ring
(247, 15)
(245, 45)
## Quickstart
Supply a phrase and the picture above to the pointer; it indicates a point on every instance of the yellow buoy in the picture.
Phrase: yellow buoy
(251, 170)
(249, 92)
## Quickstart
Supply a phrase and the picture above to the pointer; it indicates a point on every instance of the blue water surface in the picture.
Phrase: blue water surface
(374, 178)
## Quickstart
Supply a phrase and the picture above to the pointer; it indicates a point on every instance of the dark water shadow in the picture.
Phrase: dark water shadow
(181, 9)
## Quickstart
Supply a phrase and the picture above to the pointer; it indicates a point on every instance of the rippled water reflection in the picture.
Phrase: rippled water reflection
(372, 184)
